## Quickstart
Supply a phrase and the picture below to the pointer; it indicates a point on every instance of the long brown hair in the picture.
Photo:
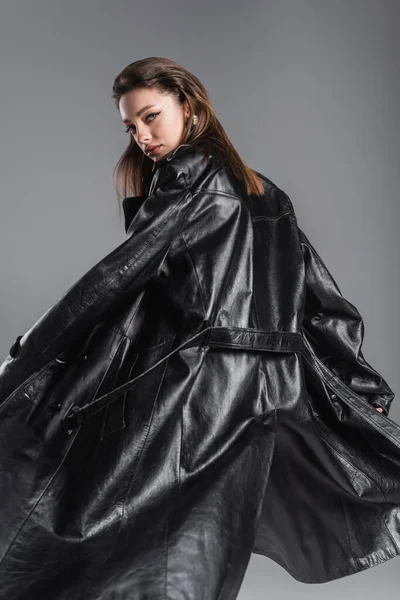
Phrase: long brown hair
(167, 76)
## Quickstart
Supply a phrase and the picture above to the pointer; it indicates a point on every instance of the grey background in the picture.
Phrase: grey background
(308, 92)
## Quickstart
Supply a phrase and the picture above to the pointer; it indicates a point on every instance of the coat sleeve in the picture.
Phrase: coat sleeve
(335, 329)
(122, 273)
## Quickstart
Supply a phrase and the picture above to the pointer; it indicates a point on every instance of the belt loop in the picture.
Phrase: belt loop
(208, 334)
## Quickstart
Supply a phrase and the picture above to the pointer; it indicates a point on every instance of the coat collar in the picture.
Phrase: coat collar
(132, 204)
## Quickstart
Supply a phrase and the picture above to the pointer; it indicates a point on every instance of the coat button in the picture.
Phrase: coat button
(15, 347)
(62, 362)
(55, 406)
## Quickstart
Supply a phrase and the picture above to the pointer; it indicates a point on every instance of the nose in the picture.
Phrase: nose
(143, 136)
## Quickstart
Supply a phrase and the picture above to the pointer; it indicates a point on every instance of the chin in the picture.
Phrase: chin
(161, 154)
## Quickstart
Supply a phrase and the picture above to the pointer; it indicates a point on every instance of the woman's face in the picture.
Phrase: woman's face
(153, 119)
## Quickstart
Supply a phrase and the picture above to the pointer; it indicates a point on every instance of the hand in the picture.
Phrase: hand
(379, 409)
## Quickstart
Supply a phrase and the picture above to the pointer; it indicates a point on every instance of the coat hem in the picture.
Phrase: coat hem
(349, 568)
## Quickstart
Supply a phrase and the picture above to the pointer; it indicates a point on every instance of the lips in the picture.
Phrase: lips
(152, 149)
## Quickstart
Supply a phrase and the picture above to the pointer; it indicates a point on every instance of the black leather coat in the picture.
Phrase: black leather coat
(198, 395)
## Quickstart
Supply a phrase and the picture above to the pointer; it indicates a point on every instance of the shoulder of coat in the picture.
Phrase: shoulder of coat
(199, 169)
(275, 202)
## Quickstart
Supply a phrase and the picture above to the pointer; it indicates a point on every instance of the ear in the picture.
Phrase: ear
(186, 109)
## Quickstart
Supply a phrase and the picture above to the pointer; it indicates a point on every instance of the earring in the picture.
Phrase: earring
(195, 119)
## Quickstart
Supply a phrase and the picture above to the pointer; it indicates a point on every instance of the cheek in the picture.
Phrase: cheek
(175, 125)
(169, 130)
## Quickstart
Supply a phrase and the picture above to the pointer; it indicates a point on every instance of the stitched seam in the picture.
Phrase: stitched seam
(121, 331)
(183, 403)
(180, 453)
(187, 247)
(134, 361)
(346, 520)
(29, 380)
(208, 191)
(290, 204)
(123, 336)
(195, 274)
(128, 337)
(266, 218)
(149, 423)
(136, 466)
(250, 346)
(255, 310)
(314, 252)
(122, 401)
(101, 382)
(335, 451)
(166, 557)
(39, 499)
(218, 193)
(390, 533)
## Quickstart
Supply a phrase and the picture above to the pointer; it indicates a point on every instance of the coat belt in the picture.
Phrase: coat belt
(238, 338)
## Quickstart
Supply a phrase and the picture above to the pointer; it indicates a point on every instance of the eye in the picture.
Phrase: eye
(149, 115)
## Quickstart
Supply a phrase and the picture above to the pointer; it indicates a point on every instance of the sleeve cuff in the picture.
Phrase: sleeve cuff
(376, 404)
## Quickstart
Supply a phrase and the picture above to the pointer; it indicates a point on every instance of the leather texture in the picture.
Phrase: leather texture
(197, 395)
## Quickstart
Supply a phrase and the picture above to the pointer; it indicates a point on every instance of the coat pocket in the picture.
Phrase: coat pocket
(131, 362)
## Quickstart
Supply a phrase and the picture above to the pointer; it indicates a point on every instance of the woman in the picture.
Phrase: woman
(199, 394)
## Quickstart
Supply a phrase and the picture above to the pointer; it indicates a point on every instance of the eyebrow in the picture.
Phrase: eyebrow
(139, 112)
